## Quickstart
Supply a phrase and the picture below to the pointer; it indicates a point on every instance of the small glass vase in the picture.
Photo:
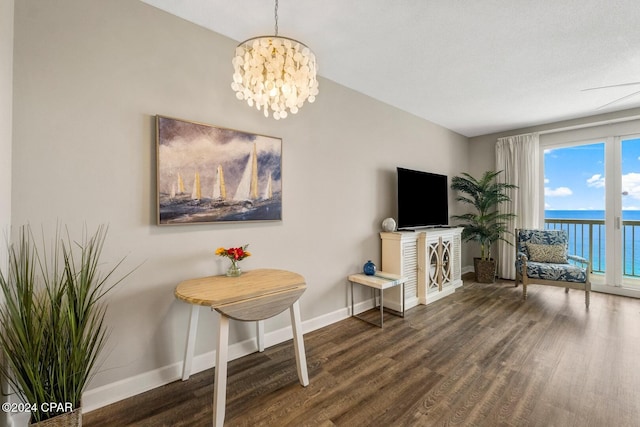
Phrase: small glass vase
(234, 269)
(369, 268)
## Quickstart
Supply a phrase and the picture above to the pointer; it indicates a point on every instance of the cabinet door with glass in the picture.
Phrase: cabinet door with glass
(438, 263)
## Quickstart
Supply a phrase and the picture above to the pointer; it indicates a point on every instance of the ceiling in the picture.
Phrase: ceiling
(475, 67)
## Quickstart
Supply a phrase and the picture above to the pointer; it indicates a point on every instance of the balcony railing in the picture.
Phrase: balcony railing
(587, 239)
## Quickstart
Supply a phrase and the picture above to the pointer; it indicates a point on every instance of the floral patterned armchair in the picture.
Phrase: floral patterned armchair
(542, 259)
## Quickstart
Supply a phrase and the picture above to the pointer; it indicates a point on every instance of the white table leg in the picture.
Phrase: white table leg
(260, 335)
(191, 342)
(298, 344)
(220, 378)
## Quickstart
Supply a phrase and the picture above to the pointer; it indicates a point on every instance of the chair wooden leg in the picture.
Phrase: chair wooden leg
(524, 290)
(566, 290)
(587, 298)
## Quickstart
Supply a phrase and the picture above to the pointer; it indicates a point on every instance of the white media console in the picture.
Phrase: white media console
(430, 259)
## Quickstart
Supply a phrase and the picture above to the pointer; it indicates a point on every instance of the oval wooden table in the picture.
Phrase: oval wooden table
(254, 296)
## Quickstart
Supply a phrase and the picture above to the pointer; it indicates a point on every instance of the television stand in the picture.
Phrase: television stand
(430, 259)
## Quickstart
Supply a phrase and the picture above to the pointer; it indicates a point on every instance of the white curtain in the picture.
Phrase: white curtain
(519, 159)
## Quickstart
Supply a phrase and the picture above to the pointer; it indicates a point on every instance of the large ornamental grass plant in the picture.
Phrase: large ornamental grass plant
(52, 319)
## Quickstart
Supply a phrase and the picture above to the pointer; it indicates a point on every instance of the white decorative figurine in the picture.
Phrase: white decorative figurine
(389, 224)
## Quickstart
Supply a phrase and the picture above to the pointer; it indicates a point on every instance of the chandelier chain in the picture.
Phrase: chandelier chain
(276, 15)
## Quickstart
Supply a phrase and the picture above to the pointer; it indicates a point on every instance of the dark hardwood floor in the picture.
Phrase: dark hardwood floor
(480, 357)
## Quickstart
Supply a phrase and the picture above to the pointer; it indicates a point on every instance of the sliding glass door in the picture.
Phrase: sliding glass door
(592, 190)
(628, 222)
(574, 194)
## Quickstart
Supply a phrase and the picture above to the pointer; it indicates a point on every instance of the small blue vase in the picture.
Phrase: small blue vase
(369, 268)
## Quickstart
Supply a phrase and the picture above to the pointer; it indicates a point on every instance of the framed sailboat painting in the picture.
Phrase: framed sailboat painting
(209, 174)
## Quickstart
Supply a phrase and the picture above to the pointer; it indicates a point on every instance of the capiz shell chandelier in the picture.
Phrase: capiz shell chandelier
(275, 73)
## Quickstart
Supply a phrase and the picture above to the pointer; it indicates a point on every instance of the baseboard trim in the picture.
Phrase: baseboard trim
(615, 290)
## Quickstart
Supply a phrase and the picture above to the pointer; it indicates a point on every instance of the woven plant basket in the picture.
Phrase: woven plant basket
(485, 270)
(68, 419)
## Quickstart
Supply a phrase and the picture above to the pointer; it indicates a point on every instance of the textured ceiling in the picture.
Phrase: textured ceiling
(475, 67)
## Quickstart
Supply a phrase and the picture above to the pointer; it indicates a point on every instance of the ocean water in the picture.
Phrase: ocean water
(584, 214)
(580, 234)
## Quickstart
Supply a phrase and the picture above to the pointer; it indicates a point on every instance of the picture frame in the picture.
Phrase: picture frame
(210, 174)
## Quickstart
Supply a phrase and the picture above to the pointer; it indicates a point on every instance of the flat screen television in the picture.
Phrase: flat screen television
(423, 199)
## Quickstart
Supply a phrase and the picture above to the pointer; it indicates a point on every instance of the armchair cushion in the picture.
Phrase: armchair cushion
(554, 271)
(540, 237)
(547, 253)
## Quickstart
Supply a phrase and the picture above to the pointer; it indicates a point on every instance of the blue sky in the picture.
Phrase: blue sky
(575, 180)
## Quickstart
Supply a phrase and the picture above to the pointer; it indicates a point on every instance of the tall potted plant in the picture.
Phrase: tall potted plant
(485, 225)
(52, 322)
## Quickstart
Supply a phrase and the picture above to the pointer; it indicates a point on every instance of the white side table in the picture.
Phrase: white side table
(380, 281)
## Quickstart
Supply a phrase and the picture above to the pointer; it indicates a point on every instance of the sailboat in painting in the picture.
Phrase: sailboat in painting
(268, 191)
(180, 184)
(196, 193)
(219, 188)
(177, 187)
(248, 187)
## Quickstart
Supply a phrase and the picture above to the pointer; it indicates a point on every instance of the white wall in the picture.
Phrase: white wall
(6, 104)
(89, 78)
(6, 98)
